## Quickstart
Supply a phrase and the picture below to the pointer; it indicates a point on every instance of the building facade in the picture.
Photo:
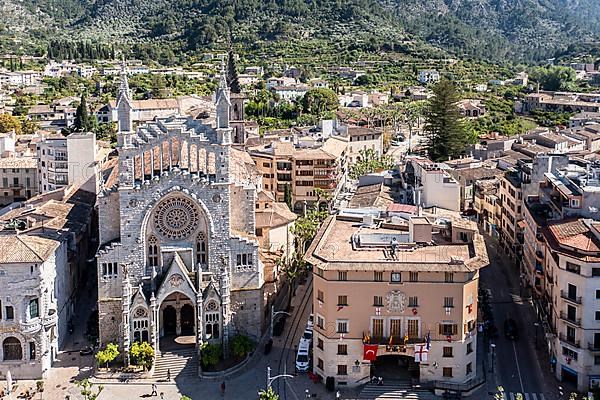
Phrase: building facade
(368, 287)
(178, 253)
(18, 179)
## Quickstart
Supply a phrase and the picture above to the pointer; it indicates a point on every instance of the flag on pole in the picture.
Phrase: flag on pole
(391, 340)
(370, 352)
(421, 353)
(340, 307)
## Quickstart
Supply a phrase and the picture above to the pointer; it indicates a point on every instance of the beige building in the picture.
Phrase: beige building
(370, 280)
(303, 169)
(18, 179)
(487, 205)
(511, 199)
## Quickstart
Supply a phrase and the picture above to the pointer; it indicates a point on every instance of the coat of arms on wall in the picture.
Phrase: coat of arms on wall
(175, 280)
(396, 301)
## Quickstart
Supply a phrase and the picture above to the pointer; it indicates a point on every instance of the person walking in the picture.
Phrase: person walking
(223, 388)
(154, 390)
(169, 375)
(162, 396)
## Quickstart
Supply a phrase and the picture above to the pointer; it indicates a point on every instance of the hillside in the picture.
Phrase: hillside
(523, 30)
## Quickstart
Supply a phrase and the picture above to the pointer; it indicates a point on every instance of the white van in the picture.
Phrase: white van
(303, 356)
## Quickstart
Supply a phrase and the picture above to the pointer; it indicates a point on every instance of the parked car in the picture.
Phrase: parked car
(510, 329)
(311, 319)
(303, 356)
(308, 334)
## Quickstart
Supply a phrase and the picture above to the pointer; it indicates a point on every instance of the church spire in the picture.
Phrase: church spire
(124, 106)
(223, 100)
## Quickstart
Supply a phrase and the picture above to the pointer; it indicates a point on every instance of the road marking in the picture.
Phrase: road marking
(518, 369)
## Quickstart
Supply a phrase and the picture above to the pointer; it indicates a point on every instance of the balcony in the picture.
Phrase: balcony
(393, 340)
(565, 295)
(593, 346)
(50, 320)
(565, 317)
(569, 340)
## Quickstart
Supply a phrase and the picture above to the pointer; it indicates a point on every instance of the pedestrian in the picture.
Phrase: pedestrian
(153, 390)
(223, 388)
(162, 396)
(169, 375)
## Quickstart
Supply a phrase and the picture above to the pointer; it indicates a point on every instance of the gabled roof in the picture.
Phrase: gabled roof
(25, 249)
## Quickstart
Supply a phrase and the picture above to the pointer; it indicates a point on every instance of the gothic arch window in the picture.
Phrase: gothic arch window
(176, 218)
(201, 249)
(140, 325)
(11, 347)
(212, 320)
(153, 251)
(236, 112)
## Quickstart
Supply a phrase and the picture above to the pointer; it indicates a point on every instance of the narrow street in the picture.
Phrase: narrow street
(517, 366)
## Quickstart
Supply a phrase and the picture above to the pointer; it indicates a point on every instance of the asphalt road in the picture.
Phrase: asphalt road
(517, 367)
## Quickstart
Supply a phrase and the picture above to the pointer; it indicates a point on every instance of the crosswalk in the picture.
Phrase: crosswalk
(395, 390)
(523, 396)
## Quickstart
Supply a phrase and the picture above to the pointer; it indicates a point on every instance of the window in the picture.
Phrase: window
(395, 327)
(342, 326)
(597, 293)
(597, 316)
(413, 277)
(342, 369)
(449, 277)
(320, 344)
(109, 270)
(448, 328)
(11, 347)
(413, 328)
(10, 312)
(447, 372)
(469, 348)
(469, 368)
(596, 272)
(570, 334)
(413, 301)
(396, 277)
(32, 350)
(447, 352)
(34, 311)
(320, 363)
(574, 268)
(320, 295)
(320, 322)
(569, 353)
(201, 249)
(596, 360)
(378, 301)
(244, 260)
(211, 321)
(378, 276)
(377, 327)
(342, 300)
(342, 276)
(448, 301)
(342, 349)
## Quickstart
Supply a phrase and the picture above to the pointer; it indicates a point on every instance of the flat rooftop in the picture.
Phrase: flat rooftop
(336, 246)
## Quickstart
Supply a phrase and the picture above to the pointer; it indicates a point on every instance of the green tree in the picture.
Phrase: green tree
(444, 128)
(83, 120)
(287, 196)
(268, 394)
(210, 354)
(108, 355)
(29, 127)
(8, 123)
(320, 100)
(185, 398)
(368, 162)
(142, 354)
(241, 345)
(554, 77)
(87, 389)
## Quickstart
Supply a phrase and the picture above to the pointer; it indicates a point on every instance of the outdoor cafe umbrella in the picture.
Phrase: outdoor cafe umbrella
(9, 382)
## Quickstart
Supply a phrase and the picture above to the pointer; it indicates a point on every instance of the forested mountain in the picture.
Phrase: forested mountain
(499, 29)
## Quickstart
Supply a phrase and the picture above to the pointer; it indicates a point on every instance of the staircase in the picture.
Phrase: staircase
(183, 363)
(395, 390)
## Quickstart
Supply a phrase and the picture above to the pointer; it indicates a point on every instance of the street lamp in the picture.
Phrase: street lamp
(273, 315)
(535, 324)
(493, 346)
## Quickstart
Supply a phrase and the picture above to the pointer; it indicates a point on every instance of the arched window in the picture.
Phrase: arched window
(212, 320)
(11, 347)
(140, 325)
(153, 251)
(201, 249)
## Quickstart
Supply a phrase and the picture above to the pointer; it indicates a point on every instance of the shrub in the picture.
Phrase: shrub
(108, 354)
(241, 345)
(142, 354)
(211, 354)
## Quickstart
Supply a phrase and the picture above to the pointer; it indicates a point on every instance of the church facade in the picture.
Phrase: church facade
(178, 253)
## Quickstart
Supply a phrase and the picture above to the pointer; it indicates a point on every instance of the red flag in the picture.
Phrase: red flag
(370, 352)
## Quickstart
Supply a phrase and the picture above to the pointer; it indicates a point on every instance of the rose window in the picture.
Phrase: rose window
(176, 218)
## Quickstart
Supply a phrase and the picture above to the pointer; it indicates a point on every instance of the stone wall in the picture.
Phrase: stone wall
(248, 307)
(110, 318)
(109, 218)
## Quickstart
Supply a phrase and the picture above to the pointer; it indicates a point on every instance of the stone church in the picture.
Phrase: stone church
(178, 253)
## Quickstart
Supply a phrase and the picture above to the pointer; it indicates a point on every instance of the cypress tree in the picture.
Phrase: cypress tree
(232, 76)
(444, 128)
(82, 118)
(287, 195)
